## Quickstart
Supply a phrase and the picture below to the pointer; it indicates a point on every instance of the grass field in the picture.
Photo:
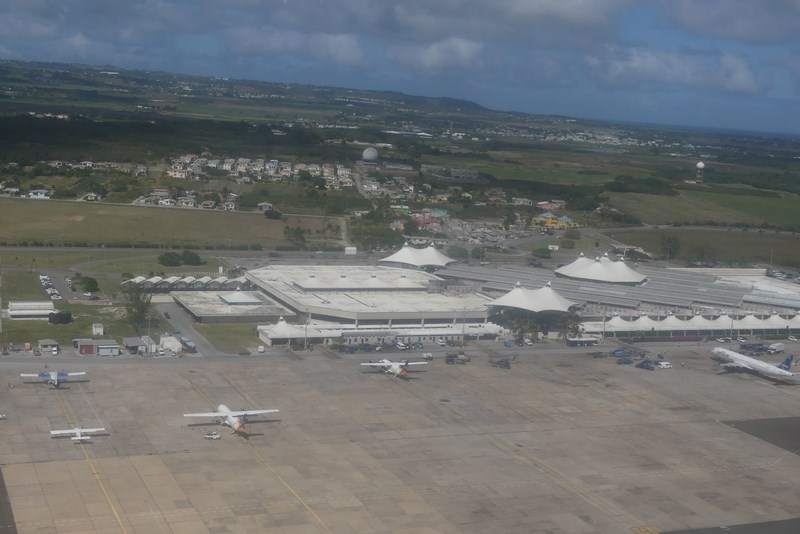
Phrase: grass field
(727, 247)
(16, 285)
(61, 222)
(696, 207)
(230, 338)
(83, 316)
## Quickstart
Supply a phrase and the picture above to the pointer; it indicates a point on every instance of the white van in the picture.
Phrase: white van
(664, 365)
(400, 345)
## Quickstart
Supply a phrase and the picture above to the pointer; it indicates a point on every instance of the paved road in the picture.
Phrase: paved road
(183, 323)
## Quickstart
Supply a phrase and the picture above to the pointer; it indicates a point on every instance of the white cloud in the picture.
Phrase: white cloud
(452, 52)
(751, 21)
(340, 48)
(636, 67)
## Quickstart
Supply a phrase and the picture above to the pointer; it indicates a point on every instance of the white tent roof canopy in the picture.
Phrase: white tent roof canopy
(419, 257)
(697, 323)
(535, 300)
(602, 269)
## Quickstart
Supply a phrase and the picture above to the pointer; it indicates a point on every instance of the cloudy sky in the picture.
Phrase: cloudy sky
(714, 63)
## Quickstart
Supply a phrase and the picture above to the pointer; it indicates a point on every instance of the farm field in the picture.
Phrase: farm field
(65, 223)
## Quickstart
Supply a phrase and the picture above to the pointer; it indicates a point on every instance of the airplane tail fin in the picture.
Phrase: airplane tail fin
(787, 363)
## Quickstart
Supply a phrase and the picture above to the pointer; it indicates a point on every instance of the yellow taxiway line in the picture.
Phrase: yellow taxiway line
(268, 466)
(95, 472)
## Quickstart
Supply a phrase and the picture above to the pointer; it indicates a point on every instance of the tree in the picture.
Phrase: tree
(169, 259)
(137, 305)
(89, 284)
(190, 257)
(273, 214)
(457, 253)
(573, 233)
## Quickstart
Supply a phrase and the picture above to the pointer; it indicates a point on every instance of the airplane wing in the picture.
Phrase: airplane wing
(736, 366)
(414, 363)
(207, 414)
(92, 430)
(71, 431)
(251, 412)
(81, 373)
(376, 364)
(37, 375)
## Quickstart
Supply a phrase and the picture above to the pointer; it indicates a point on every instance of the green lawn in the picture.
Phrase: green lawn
(17, 286)
(230, 338)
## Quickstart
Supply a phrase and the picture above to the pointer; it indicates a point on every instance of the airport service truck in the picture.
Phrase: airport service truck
(776, 348)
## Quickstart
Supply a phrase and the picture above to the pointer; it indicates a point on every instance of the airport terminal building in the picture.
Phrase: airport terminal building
(371, 304)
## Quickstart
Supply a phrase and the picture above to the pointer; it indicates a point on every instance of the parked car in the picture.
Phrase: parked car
(724, 340)
(792, 338)
(646, 364)
(740, 339)
(624, 361)
(166, 315)
(664, 365)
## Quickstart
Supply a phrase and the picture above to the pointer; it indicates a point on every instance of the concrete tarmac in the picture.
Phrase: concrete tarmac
(561, 442)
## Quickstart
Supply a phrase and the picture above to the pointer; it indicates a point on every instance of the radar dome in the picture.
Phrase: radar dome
(701, 165)
(370, 154)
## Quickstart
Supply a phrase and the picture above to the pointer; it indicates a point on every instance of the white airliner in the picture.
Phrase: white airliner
(735, 361)
(52, 377)
(396, 369)
(236, 420)
(78, 434)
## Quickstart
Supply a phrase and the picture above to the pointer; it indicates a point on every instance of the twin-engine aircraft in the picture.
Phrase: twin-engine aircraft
(52, 377)
(79, 435)
(734, 361)
(234, 419)
(396, 369)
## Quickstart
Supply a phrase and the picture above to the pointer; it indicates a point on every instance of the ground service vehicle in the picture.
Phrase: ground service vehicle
(212, 435)
(776, 348)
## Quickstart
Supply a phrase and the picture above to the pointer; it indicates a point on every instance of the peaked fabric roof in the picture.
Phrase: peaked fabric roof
(723, 323)
(535, 300)
(419, 257)
(284, 330)
(602, 269)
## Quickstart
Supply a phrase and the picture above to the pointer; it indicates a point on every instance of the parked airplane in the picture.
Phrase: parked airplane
(52, 377)
(234, 419)
(735, 361)
(78, 434)
(396, 369)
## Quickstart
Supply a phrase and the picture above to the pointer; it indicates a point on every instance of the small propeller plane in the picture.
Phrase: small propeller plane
(52, 377)
(79, 435)
(396, 369)
(234, 419)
